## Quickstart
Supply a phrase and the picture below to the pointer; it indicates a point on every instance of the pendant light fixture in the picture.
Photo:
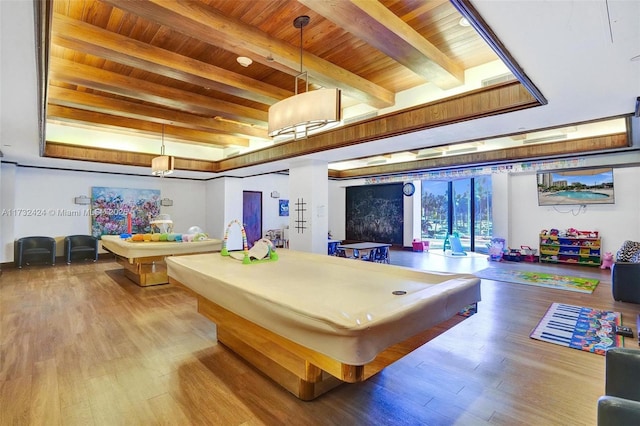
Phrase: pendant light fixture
(306, 112)
(162, 165)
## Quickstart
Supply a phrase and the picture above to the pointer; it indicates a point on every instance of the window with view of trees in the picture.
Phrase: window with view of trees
(447, 208)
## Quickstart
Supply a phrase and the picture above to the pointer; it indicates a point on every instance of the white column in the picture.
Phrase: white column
(308, 206)
(501, 190)
(7, 204)
(412, 215)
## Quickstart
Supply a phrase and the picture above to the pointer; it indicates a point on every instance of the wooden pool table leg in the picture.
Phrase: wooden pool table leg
(307, 382)
(302, 371)
(145, 271)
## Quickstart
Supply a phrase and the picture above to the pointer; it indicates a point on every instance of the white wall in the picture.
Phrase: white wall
(413, 221)
(308, 222)
(270, 206)
(615, 222)
(7, 202)
(517, 217)
(224, 204)
(213, 204)
(337, 206)
(39, 201)
(214, 207)
(45, 196)
(500, 193)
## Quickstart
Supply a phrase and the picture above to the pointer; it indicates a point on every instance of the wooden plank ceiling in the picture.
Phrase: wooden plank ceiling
(144, 66)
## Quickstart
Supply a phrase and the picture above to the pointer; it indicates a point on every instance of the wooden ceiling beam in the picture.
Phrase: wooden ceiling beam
(376, 25)
(206, 24)
(132, 125)
(106, 81)
(83, 37)
(127, 109)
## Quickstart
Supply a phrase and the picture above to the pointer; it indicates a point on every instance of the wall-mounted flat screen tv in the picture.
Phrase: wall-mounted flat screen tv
(576, 187)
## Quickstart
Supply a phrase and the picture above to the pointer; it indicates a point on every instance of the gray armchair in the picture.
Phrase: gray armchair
(34, 249)
(80, 246)
(620, 405)
(625, 281)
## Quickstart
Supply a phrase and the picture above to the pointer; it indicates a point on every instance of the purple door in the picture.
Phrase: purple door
(252, 215)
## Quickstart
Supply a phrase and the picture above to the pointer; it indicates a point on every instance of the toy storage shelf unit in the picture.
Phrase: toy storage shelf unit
(580, 249)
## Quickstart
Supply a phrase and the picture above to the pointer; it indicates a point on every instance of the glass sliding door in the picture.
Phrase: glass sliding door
(460, 206)
(435, 212)
(483, 218)
(461, 213)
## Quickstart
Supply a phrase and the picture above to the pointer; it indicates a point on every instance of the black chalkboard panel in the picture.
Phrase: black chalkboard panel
(375, 213)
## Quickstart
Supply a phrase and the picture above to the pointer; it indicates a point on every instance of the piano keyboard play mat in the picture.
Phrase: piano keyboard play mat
(579, 327)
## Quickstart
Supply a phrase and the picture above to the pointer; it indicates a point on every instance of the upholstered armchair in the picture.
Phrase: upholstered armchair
(625, 273)
(621, 403)
(625, 281)
(80, 246)
(34, 249)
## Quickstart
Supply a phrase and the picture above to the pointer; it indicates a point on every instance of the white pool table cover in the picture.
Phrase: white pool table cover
(138, 249)
(340, 307)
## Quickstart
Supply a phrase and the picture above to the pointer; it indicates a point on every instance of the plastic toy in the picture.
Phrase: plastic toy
(496, 248)
(513, 255)
(607, 260)
(264, 246)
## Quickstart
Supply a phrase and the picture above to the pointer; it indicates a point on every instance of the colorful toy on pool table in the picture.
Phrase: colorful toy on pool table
(245, 246)
(607, 260)
(262, 251)
(200, 236)
(188, 238)
(166, 237)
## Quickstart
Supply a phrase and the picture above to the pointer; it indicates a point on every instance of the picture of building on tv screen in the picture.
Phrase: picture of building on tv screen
(576, 187)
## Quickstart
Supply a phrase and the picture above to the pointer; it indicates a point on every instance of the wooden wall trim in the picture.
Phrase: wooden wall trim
(547, 150)
(101, 155)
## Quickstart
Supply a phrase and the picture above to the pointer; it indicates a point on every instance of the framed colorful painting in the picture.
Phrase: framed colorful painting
(116, 211)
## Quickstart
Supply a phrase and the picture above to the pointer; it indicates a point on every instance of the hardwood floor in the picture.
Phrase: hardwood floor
(80, 344)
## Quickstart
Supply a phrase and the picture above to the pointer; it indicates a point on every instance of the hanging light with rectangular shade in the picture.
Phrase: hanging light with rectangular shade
(162, 165)
(305, 112)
